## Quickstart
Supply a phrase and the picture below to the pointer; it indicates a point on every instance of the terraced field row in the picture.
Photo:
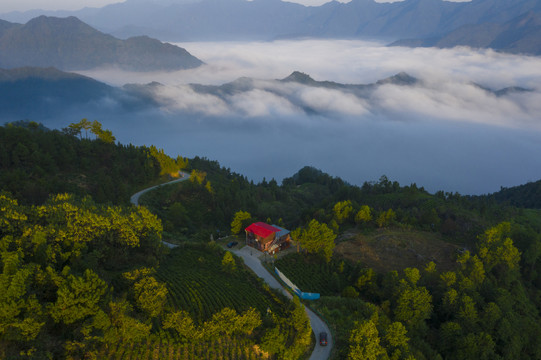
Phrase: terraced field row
(197, 284)
(160, 347)
(312, 276)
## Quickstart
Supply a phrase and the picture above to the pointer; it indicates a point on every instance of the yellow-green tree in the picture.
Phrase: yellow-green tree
(386, 218)
(20, 312)
(342, 211)
(229, 322)
(182, 323)
(124, 328)
(79, 297)
(364, 342)
(497, 252)
(228, 262)
(150, 295)
(239, 220)
(364, 215)
(413, 306)
(317, 238)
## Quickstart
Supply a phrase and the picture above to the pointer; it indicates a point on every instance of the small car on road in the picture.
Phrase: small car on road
(323, 338)
(231, 244)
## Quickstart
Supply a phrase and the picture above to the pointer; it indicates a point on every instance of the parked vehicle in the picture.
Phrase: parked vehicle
(323, 338)
(231, 244)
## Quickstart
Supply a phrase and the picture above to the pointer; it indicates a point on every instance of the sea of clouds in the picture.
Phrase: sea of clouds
(447, 132)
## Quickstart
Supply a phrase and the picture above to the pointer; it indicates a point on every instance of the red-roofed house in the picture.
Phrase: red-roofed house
(269, 238)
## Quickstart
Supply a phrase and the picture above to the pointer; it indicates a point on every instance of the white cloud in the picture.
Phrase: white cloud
(443, 133)
(446, 91)
(183, 98)
(257, 103)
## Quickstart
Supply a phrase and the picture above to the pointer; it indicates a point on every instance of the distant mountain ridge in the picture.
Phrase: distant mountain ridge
(521, 35)
(52, 91)
(70, 44)
(272, 19)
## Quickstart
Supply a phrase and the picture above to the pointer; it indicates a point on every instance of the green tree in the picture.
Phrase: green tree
(317, 238)
(12, 216)
(76, 128)
(168, 165)
(301, 323)
(386, 218)
(103, 135)
(396, 335)
(228, 322)
(467, 312)
(412, 275)
(413, 306)
(364, 342)
(124, 328)
(248, 321)
(197, 176)
(21, 315)
(448, 279)
(182, 323)
(350, 292)
(274, 341)
(476, 347)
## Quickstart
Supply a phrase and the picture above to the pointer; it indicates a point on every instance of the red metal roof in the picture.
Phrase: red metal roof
(262, 229)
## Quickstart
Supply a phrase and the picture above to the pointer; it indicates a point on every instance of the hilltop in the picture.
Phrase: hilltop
(402, 261)
(70, 44)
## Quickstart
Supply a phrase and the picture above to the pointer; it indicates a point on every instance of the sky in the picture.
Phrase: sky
(24, 5)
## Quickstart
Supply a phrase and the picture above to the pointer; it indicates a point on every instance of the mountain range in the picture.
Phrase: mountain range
(494, 23)
(52, 91)
(70, 44)
(521, 35)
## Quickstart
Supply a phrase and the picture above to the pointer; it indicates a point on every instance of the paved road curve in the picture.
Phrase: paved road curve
(135, 197)
(251, 259)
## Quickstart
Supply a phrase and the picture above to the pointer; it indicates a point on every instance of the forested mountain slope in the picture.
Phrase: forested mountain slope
(83, 279)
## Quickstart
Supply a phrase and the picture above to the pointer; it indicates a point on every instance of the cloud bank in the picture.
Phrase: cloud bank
(445, 132)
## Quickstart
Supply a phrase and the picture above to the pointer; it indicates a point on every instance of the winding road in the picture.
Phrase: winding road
(251, 258)
(135, 197)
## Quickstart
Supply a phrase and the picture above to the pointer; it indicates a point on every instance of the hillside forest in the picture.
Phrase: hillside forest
(403, 273)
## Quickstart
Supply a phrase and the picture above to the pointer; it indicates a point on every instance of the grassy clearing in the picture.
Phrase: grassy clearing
(396, 249)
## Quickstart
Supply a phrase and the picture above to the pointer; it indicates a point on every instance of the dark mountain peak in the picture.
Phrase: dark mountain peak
(511, 90)
(299, 77)
(6, 25)
(401, 78)
(52, 23)
(70, 44)
(43, 19)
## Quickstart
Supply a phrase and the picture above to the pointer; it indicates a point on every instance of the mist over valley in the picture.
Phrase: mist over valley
(466, 121)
